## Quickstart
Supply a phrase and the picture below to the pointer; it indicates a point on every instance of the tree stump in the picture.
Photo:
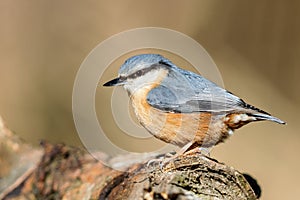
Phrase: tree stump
(65, 172)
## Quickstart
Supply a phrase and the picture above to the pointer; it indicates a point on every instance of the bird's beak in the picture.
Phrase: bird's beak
(114, 82)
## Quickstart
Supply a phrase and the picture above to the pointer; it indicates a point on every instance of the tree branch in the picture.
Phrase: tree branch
(65, 172)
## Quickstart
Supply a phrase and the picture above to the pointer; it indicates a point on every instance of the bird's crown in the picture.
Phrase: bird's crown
(142, 61)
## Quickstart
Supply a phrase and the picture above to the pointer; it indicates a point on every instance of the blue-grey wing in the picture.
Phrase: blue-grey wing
(186, 92)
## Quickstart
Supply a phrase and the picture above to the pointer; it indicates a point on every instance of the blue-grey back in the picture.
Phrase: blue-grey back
(184, 91)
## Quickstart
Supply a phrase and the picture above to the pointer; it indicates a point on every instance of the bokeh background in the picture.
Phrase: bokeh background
(256, 46)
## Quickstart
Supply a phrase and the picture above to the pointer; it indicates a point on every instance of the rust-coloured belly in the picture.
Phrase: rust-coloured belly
(178, 128)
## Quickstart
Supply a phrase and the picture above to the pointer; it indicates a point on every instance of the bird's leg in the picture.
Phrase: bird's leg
(189, 148)
(202, 150)
(160, 158)
(186, 148)
(170, 156)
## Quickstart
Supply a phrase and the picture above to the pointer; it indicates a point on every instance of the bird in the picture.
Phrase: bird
(181, 107)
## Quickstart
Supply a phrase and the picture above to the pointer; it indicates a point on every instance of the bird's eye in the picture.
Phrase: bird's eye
(139, 73)
(136, 74)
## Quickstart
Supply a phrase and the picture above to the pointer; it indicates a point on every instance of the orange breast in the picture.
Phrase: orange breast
(177, 128)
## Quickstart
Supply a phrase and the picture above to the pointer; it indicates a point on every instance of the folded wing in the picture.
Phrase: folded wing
(185, 92)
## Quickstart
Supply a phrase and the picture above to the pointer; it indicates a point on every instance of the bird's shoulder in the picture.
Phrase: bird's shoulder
(185, 91)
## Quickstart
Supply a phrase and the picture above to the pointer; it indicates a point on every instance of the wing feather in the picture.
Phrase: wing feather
(185, 92)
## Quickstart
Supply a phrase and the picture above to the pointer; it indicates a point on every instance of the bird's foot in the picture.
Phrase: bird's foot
(189, 149)
(205, 151)
(158, 160)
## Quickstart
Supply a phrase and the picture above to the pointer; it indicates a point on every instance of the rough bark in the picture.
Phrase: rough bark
(64, 172)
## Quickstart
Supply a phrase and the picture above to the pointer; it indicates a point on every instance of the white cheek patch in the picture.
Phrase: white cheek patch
(147, 80)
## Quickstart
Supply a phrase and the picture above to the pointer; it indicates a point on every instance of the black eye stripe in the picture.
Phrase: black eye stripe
(122, 78)
(138, 73)
(142, 72)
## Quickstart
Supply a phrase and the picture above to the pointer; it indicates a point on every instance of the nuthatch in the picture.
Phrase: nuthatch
(181, 107)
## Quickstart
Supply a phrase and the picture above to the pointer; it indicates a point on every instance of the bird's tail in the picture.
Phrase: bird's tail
(262, 116)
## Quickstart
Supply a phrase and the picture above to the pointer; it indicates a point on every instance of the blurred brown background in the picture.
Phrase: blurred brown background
(256, 46)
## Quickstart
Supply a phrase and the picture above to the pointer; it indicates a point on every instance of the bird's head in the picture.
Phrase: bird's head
(141, 70)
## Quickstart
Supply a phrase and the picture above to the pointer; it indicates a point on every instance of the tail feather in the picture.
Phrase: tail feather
(261, 116)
